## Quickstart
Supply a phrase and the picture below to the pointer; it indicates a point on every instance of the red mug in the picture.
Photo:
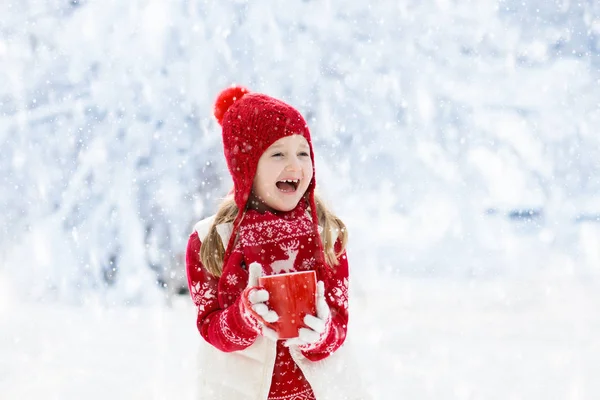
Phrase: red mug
(292, 296)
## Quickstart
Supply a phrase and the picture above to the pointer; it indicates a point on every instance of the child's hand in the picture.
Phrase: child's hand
(254, 299)
(317, 325)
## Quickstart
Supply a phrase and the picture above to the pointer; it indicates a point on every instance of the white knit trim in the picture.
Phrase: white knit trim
(203, 227)
(224, 231)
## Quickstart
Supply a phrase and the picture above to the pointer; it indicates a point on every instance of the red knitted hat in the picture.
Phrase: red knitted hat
(251, 123)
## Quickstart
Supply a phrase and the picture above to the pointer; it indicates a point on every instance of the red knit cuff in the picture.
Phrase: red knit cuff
(323, 338)
(248, 317)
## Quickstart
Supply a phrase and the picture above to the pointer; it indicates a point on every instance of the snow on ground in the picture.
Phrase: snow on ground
(415, 338)
(57, 352)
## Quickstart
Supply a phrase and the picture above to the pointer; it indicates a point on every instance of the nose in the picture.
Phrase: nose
(293, 164)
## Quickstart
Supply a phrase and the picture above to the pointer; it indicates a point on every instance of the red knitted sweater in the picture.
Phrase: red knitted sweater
(280, 242)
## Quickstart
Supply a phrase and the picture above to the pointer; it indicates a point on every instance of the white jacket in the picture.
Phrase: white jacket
(246, 374)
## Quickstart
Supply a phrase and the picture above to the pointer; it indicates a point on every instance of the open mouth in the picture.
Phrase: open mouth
(288, 185)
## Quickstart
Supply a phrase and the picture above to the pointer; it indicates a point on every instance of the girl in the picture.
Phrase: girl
(271, 223)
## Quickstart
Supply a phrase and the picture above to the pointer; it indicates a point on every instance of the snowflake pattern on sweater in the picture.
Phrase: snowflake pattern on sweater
(202, 294)
(282, 242)
(339, 293)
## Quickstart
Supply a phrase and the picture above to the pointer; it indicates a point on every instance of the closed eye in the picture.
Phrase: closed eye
(303, 154)
(277, 155)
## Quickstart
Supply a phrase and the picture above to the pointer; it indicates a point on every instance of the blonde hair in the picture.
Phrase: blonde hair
(212, 250)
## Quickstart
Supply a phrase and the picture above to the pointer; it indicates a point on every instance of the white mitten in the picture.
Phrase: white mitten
(317, 325)
(254, 302)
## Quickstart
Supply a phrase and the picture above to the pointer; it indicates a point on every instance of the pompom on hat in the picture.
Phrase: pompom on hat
(251, 123)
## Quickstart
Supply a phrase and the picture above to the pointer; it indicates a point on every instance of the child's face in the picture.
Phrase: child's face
(288, 159)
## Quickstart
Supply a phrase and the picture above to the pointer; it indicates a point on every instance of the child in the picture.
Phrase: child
(269, 225)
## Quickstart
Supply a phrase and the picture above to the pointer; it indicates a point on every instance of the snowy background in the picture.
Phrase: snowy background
(459, 141)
